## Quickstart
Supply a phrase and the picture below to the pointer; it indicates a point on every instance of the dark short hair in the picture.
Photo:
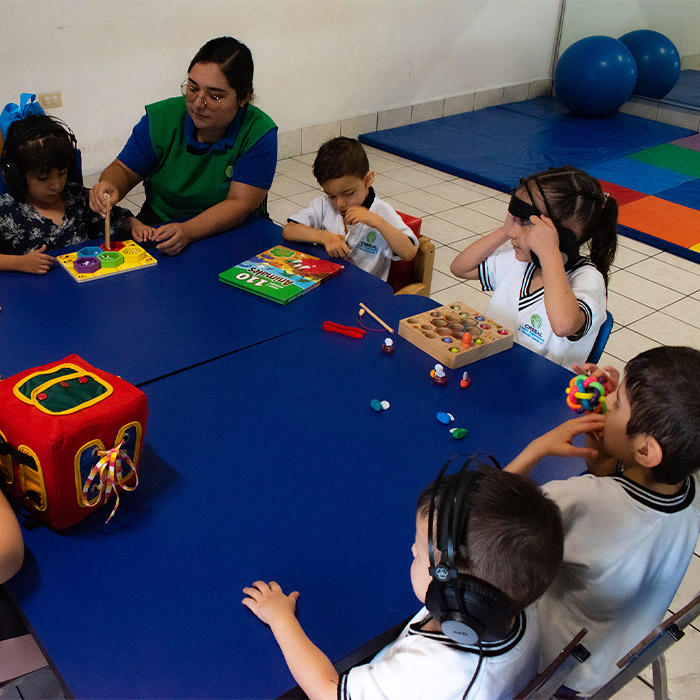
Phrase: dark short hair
(663, 388)
(38, 143)
(234, 59)
(513, 537)
(340, 157)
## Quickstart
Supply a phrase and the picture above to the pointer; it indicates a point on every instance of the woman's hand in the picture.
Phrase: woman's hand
(99, 194)
(171, 238)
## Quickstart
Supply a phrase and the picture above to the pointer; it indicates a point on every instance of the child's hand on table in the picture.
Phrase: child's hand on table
(141, 232)
(268, 602)
(36, 262)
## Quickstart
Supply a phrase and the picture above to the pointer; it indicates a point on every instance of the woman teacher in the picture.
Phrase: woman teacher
(208, 158)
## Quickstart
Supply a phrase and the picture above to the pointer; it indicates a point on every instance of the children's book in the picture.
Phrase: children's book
(280, 274)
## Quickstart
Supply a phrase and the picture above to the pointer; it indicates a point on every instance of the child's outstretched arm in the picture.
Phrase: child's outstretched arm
(398, 241)
(311, 668)
(11, 544)
(557, 443)
(564, 314)
(36, 262)
(334, 243)
(466, 264)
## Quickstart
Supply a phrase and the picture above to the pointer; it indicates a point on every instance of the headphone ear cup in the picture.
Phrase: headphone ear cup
(10, 174)
(484, 614)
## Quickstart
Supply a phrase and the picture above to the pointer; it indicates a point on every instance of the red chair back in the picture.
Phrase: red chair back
(401, 271)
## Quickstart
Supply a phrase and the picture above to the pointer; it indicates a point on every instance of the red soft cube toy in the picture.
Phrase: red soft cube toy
(53, 422)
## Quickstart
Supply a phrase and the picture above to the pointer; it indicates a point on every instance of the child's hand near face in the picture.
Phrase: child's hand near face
(542, 236)
(268, 602)
(362, 215)
(35, 262)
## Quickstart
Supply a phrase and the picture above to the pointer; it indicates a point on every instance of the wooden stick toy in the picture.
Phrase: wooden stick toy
(376, 318)
(108, 245)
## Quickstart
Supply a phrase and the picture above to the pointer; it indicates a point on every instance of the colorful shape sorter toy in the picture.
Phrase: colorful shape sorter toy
(95, 262)
(70, 438)
(455, 334)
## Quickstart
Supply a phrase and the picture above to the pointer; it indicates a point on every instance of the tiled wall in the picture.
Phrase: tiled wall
(308, 139)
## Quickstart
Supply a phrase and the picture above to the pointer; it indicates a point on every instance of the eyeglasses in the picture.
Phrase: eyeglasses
(190, 93)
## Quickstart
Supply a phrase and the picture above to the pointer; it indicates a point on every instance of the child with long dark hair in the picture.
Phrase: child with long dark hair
(43, 209)
(550, 287)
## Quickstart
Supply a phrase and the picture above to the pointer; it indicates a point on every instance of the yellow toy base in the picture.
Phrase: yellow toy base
(92, 262)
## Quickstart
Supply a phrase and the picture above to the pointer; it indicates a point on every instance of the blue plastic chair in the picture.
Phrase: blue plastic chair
(601, 340)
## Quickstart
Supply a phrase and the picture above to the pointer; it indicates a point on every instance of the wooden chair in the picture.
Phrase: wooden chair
(414, 276)
(651, 651)
(544, 685)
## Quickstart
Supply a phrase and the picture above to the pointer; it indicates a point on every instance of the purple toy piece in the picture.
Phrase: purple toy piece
(86, 266)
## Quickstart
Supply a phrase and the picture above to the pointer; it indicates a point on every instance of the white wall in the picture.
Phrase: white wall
(679, 20)
(316, 61)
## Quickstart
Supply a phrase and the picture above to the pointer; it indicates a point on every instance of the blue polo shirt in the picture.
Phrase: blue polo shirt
(256, 167)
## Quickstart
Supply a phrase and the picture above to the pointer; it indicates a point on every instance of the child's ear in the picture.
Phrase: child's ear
(369, 178)
(648, 452)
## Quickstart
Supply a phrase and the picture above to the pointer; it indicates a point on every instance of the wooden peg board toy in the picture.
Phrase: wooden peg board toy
(94, 262)
(440, 333)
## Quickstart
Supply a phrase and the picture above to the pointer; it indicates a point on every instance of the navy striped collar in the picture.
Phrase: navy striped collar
(657, 501)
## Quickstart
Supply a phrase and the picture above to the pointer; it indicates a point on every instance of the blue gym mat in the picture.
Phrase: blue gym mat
(686, 92)
(497, 146)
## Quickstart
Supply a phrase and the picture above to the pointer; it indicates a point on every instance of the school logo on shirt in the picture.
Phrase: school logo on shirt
(531, 330)
(367, 245)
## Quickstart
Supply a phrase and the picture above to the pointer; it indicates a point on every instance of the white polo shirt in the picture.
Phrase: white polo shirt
(369, 250)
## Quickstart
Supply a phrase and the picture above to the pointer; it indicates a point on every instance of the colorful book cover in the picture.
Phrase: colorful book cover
(280, 274)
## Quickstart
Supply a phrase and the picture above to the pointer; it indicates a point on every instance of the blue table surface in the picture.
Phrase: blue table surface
(270, 464)
(148, 323)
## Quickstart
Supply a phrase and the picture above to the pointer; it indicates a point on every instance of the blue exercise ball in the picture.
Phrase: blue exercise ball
(658, 62)
(595, 76)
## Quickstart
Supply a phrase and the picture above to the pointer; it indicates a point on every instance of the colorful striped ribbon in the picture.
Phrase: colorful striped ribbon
(109, 467)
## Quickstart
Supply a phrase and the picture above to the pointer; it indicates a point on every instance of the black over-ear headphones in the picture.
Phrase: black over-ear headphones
(568, 243)
(468, 609)
(23, 131)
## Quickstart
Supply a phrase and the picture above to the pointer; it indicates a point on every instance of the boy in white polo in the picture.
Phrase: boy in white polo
(349, 220)
(508, 548)
(631, 524)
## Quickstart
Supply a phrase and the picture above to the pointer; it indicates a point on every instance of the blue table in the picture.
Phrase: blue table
(269, 463)
(148, 323)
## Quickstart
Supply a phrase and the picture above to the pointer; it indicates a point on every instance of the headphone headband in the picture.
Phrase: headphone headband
(467, 608)
(23, 131)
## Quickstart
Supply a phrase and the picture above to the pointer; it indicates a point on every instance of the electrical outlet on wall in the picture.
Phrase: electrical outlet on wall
(50, 100)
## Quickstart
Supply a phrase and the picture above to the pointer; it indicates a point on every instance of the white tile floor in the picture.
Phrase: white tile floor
(454, 213)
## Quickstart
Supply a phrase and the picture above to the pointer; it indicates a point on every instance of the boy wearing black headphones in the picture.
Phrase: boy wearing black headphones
(487, 545)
